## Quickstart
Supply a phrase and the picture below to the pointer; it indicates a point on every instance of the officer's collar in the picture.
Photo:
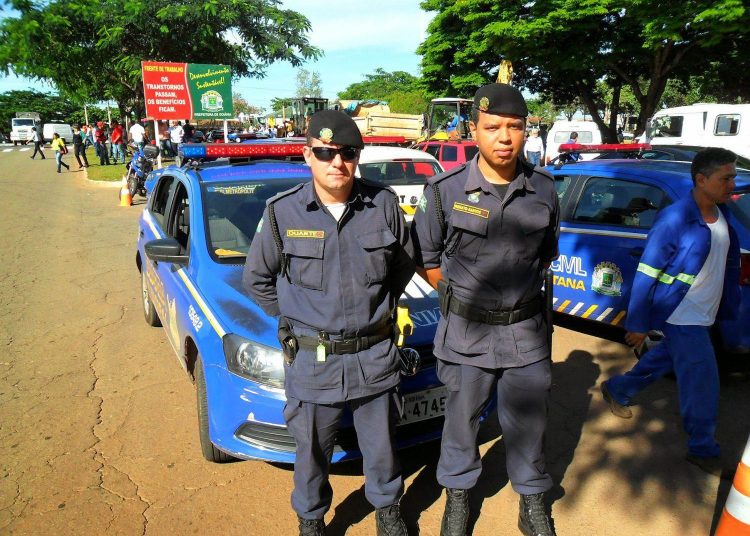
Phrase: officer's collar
(476, 180)
(310, 196)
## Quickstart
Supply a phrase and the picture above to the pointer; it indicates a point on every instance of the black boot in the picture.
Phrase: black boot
(532, 516)
(311, 527)
(456, 515)
(388, 521)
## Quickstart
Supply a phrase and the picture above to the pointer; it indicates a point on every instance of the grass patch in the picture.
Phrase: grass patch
(106, 173)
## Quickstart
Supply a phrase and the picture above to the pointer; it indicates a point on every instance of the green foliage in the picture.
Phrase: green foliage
(92, 50)
(562, 48)
(278, 104)
(544, 109)
(49, 107)
(401, 90)
(242, 106)
(380, 85)
(308, 84)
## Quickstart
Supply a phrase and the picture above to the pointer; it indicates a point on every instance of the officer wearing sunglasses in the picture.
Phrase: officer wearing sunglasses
(331, 258)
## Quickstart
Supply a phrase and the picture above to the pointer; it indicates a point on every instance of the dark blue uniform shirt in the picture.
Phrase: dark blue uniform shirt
(493, 255)
(344, 278)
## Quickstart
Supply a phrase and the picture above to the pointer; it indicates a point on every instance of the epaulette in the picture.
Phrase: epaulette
(445, 174)
(285, 193)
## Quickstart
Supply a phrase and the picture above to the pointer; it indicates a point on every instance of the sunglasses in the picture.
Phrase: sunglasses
(326, 154)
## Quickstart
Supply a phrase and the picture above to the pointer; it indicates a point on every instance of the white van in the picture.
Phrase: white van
(588, 133)
(703, 125)
(62, 129)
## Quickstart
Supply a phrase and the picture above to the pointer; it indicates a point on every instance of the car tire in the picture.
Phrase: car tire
(149, 311)
(210, 452)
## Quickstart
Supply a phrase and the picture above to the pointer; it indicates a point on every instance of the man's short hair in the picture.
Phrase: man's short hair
(708, 160)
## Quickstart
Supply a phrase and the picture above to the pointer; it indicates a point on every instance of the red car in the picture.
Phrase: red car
(449, 153)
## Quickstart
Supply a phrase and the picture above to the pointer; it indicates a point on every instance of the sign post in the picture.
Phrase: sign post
(179, 91)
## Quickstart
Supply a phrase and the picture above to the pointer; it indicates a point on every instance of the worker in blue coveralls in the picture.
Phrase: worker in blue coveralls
(483, 236)
(331, 258)
(687, 277)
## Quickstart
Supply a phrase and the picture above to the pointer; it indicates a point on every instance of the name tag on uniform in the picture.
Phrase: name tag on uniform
(304, 233)
(474, 211)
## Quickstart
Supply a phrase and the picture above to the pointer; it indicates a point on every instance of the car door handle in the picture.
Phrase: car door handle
(635, 252)
(141, 233)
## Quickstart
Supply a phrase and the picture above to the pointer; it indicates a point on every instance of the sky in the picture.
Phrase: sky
(356, 38)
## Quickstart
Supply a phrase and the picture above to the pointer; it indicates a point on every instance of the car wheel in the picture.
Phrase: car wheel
(149, 311)
(210, 452)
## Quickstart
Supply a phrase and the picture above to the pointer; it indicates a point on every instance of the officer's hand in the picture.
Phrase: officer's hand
(635, 339)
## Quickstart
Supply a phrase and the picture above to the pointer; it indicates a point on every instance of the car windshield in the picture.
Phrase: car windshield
(399, 172)
(739, 204)
(22, 122)
(233, 211)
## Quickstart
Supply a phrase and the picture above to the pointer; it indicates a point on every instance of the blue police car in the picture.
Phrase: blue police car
(607, 208)
(195, 231)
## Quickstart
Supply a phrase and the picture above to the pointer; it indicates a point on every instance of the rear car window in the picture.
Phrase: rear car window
(727, 125)
(667, 126)
(433, 149)
(470, 151)
(400, 172)
(450, 153)
(584, 136)
(619, 202)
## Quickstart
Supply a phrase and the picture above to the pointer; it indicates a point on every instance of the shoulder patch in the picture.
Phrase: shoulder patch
(285, 193)
(446, 174)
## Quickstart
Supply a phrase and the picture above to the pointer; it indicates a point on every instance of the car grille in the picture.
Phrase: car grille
(277, 438)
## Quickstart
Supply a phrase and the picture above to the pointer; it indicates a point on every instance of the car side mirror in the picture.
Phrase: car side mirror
(166, 250)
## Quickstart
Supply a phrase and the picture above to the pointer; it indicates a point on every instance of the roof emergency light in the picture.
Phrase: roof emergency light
(603, 147)
(240, 150)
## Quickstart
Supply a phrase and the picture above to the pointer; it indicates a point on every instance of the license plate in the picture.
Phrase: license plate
(424, 405)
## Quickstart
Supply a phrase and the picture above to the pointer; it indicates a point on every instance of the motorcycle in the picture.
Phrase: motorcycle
(140, 165)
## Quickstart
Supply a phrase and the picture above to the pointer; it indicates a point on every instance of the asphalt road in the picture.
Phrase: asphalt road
(98, 422)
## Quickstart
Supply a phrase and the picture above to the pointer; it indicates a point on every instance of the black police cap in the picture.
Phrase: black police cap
(333, 126)
(500, 99)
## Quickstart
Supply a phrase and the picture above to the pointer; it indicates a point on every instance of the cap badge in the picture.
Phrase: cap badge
(484, 104)
(326, 135)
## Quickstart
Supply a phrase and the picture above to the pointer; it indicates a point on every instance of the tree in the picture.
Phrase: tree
(561, 49)
(380, 84)
(308, 84)
(241, 106)
(401, 90)
(278, 104)
(49, 107)
(91, 50)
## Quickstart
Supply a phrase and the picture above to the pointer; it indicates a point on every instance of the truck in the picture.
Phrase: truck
(702, 125)
(374, 118)
(21, 126)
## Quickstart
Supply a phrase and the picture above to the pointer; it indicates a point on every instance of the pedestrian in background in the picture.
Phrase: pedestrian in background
(484, 233)
(175, 137)
(79, 147)
(687, 277)
(58, 145)
(138, 134)
(88, 136)
(38, 141)
(117, 142)
(534, 148)
(100, 135)
(336, 317)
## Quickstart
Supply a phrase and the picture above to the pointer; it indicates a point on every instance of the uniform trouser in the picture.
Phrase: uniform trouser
(38, 149)
(687, 351)
(314, 427)
(522, 397)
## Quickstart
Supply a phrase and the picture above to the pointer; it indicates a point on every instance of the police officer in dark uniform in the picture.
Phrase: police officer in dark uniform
(332, 257)
(484, 233)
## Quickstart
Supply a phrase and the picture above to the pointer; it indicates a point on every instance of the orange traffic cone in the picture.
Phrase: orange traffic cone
(126, 199)
(735, 519)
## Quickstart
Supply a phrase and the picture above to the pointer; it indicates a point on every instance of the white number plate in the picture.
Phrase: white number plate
(424, 405)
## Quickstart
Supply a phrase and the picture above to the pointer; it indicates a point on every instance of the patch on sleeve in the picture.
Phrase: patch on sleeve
(304, 233)
(474, 211)
(423, 203)
(260, 226)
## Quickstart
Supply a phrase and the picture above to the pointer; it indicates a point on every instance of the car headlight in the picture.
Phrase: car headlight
(254, 361)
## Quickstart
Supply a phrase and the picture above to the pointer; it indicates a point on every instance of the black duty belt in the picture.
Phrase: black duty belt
(499, 317)
(344, 346)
